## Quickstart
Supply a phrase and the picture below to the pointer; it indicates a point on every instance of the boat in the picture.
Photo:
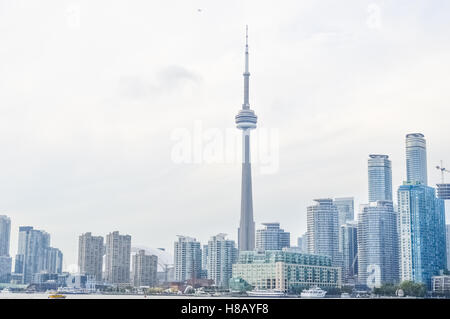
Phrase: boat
(345, 295)
(314, 292)
(56, 295)
(269, 293)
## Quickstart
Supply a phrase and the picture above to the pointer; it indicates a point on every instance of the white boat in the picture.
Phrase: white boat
(266, 293)
(314, 292)
(345, 295)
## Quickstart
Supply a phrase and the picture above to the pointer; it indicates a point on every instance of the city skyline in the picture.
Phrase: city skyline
(68, 169)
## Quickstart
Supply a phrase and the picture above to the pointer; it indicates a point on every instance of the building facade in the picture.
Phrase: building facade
(323, 229)
(145, 268)
(448, 246)
(187, 259)
(422, 233)
(380, 178)
(272, 237)
(285, 271)
(348, 247)
(34, 254)
(378, 249)
(5, 259)
(90, 255)
(346, 209)
(416, 159)
(117, 260)
(222, 254)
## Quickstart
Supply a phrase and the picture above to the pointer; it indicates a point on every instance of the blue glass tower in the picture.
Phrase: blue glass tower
(416, 158)
(422, 233)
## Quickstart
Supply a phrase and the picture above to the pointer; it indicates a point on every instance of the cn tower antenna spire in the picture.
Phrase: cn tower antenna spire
(246, 104)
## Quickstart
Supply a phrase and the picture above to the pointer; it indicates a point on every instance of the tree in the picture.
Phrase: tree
(411, 288)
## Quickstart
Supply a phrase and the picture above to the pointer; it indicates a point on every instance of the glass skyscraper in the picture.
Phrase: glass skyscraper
(380, 178)
(422, 233)
(416, 159)
(348, 247)
(378, 256)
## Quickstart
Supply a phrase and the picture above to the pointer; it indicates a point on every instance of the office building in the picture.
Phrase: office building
(117, 259)
(422, 233)
(53, 261)
(416, 159)
(285, 271)
(90, 255)
(272, 237)
(145, 268)
(377, 237)
(440, 284)
(222, 254)
(448, 245)
(188, 259)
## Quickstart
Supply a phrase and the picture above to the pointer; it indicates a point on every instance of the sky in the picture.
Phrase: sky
(98, 97)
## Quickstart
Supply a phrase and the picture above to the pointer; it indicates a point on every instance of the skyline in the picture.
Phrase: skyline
(103, 155)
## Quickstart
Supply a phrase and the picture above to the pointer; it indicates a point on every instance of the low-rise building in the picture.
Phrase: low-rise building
(441, 284)
(286, 270)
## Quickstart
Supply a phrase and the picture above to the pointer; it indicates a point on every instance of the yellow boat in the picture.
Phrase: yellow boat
(56, 296)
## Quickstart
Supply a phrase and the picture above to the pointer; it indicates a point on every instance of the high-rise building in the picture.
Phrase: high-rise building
(145, 268)
(448, 246)
(416, 158)
(205, 258)
(5, 234)
(34, 254)
(90, 255)
(53, 261)
(346, 209)
(348, 247)
(222, 254)
(246, 121)
(272, 237)
(188, 259)
(5, 269)
(380, 178)
(5, 259)
(117, 260)
(323, 229)
(378, 256)
(422, 233)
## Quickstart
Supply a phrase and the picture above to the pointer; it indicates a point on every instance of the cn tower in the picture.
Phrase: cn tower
(246, 121)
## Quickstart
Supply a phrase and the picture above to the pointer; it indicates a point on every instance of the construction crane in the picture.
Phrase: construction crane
(442, 169)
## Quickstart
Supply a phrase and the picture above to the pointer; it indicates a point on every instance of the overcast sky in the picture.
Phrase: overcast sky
(91, 93)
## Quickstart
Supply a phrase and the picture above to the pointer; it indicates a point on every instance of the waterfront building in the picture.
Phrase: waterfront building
(285, 271)
(145, 268)
(188, 259)
(222, 254)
